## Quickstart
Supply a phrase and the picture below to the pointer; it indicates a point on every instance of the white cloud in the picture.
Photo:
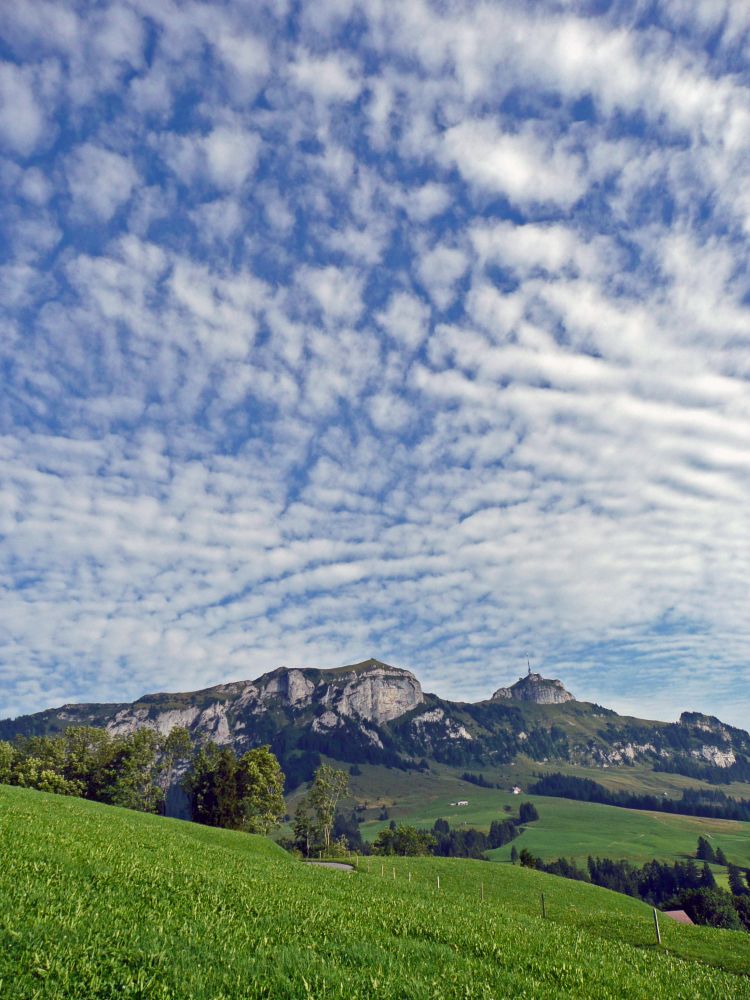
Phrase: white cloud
(406, 319)
(247, 62)
(337, 291)
(226, 156)
(100, 181)
(233, 433)
(523, 166)
(427, 201)
(328, 79)
(440, 270)
(22, 119)
(231, 154)
(390, 413)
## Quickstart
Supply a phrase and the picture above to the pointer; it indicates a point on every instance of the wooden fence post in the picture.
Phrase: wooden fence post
(482, 885)
(656, 925)
(438, 878)
(544, 908)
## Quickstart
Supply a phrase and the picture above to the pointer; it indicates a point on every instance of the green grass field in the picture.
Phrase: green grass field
(565, 828)
(98, 902)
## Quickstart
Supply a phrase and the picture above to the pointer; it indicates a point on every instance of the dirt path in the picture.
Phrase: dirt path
(338, 865)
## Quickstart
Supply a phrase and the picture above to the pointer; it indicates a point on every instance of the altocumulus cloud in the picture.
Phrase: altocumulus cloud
(406, 329)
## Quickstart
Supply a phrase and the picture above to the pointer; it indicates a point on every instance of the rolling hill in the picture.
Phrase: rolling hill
(101, 902)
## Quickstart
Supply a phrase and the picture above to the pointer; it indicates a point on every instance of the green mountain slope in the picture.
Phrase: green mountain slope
(575, 829)
(371, 712)
(99, 902)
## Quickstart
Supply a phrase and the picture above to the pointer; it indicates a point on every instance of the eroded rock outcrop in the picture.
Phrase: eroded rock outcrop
(535, 688)
(379, 693)
(369, 692)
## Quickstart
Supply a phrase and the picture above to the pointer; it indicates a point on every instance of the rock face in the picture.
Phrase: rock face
(370, 691)
(535, 688)
(241, 712)
(379, 694)
(371, 713)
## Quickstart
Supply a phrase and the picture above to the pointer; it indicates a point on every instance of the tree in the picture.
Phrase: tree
(329, 785)
(404, 840)
(513, 854)
(705, 851)
(720, 857)
(710, 906)
(742, 908)
(176, 747)
(526, 858)
(7, 759)
(304, 831)
(244, 794)
(132, 772)
(527, 813)
(737, 884)
(707, 877)
(502, 832)
(346, 829)
(260, 790)
(211, 785)
(88, 754)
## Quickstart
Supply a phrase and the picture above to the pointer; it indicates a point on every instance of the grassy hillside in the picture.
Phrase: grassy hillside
(565, 828)
(98, 902)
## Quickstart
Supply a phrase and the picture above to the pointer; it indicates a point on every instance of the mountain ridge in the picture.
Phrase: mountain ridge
(373, 712)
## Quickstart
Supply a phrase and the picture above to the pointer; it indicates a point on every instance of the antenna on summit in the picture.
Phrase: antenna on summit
(528, 664)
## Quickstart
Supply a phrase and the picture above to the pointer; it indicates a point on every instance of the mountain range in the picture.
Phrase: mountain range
(374, 713)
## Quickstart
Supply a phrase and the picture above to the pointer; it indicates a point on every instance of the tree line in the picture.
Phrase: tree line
(683, 885)
(711, 803)
(445, 842)
(134, 770)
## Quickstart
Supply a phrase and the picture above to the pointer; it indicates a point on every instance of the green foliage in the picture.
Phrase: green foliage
(329, 785)
(405, 841)
(132, 772)
(244, 794)
(737, 883)
(704, 851)
(7, 757)
(707, 877)
(260, 787)
(304, 830)
(89, 762)
(693, 801)
(108, 903)
(711, 907)
(527, 813)
(176, 747)
(526, 858)
(502, 831)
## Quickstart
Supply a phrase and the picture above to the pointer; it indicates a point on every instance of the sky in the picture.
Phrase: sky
(354, 328)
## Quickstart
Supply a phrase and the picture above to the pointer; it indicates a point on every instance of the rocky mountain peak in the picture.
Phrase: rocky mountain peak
(371, 690)
(535, 688)
(376, 691)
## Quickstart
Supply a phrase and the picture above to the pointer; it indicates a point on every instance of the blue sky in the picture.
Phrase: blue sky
(416, 330)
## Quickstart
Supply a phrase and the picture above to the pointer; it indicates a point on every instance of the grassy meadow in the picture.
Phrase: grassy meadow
(565, 828)
(98, 902)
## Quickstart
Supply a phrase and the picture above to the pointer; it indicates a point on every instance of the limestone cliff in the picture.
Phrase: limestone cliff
(535, 688)
(243, 711)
